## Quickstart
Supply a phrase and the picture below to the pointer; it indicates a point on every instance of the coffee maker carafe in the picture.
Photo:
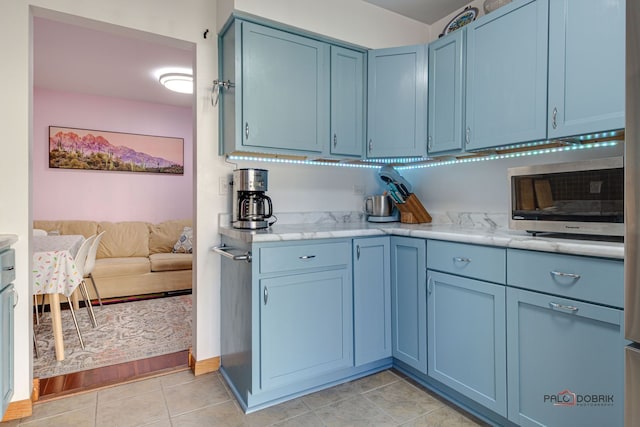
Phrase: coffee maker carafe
(251, 207)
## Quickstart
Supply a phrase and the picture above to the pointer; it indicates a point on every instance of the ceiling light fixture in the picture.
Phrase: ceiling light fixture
(177, 82)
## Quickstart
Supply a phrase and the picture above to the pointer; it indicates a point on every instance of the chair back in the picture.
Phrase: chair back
(81, 256)
(91, 255)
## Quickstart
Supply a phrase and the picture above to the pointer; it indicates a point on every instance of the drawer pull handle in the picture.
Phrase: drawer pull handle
(15, 303)
(307, 257)
(567, 275)
(224, 251)
(10, 268)
(265, 295)
(461, 259)
(557, 306)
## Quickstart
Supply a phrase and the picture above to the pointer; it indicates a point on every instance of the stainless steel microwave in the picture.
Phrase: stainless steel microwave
(585, 197)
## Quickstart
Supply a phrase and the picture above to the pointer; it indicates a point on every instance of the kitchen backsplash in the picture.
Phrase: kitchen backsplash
(476, 220)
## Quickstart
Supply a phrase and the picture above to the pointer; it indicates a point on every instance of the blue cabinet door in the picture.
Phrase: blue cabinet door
(467, 338)
(586, 66)
(397, 102)
(409, 301)
(305, 326)
(506, 85)
(446, 93)
(565, 360)
(371, 299)
(6, 351)
(347, 102)
(285, 90)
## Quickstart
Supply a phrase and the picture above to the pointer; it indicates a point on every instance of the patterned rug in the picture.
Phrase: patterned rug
(126, 331)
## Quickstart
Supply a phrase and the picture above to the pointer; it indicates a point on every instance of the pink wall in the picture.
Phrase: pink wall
(109, 196)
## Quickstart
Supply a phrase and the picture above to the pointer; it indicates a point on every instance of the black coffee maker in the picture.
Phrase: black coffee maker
(251, 207)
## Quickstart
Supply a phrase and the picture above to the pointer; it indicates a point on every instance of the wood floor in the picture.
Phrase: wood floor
(64, 385)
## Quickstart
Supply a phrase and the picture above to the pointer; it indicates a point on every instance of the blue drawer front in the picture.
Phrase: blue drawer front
(302, 257)
(585, 278)
(477, 262)
(7, 264)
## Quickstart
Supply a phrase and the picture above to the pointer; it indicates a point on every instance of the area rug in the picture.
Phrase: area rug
(126, 331)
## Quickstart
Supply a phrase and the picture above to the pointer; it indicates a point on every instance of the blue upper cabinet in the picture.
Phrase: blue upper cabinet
(586, 66)
(506, 92)
(397, 102)
(347, 102)
(285, 95)
(446, 93)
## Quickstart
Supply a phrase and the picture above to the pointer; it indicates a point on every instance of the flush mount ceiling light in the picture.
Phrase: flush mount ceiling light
(177, 82)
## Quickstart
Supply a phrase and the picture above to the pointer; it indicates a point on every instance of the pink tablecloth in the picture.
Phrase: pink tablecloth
(54, 267)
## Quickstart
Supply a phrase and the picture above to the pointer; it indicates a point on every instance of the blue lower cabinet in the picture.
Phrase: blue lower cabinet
(371, 299)
(467, 338)
(565, 361)
(6, 349)
(305, 326)
(409, 301)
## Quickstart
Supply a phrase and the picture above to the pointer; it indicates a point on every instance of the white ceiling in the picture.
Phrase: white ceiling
(427, 11)
(115, 62)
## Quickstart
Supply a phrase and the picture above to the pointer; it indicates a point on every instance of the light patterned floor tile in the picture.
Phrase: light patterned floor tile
(278, 413)
(443, 417)
(355, 412)
(226, 414)
(203, 391)
(125, 391)
(403, 401)
(85, 417)
(309, 419)
(132, 411)
(59, 406)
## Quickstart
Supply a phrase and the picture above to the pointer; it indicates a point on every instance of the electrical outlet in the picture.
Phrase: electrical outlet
(223, 185)
(358, 190)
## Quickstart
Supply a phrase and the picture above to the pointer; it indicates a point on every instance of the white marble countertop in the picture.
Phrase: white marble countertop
(491, 236)
(6, 240)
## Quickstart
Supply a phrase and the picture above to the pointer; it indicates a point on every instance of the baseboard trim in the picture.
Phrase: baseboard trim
(18, 409)
(200, 367)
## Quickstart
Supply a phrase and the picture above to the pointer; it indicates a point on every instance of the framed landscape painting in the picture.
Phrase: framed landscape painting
(71, 148)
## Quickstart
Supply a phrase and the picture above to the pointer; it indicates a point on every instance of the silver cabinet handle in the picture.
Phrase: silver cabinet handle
(567, 275)
(17, 297)
(370, 145)
(246, 130)
(554, 120)
(557, 306)
(307, 257)
(430, 142)
(10, 268)
(265, 295)
(358, 252)
(335, 140)
(224, 251)
(461, 259)
(468, 135)
(429, 285)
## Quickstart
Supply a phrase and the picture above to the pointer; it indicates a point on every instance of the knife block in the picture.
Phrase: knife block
(412, 211)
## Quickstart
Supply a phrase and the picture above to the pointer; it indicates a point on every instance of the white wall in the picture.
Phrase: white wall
(294, 188)
(482, 186)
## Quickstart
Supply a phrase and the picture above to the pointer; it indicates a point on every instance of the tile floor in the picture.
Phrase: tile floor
(180, 399)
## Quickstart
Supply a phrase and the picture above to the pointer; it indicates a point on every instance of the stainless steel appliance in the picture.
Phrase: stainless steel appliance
(380, 208)
(251, 206)
(632, 212)
(585, 197)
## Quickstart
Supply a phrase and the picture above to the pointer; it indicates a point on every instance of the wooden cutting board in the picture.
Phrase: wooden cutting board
(544, 198)
(526, 201)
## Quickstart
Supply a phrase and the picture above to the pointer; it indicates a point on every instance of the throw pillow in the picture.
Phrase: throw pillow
(184, 244)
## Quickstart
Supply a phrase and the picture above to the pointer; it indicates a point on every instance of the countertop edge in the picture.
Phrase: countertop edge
(501, 238)
(6, 240)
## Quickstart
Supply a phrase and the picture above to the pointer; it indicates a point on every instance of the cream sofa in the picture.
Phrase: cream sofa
(134, 258)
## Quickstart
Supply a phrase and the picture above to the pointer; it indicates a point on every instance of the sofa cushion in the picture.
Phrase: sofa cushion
(170, 262)
(85, 228)
(129, 266)
(124, 239)
(164, 235)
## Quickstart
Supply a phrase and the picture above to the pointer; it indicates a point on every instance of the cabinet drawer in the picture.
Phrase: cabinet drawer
(477, 262)
(300, 257)
(585, 278)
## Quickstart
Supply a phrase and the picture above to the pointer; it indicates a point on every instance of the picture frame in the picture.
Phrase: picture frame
(89, 149)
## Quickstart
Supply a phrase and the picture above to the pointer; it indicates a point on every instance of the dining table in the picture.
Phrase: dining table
(54, 273)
